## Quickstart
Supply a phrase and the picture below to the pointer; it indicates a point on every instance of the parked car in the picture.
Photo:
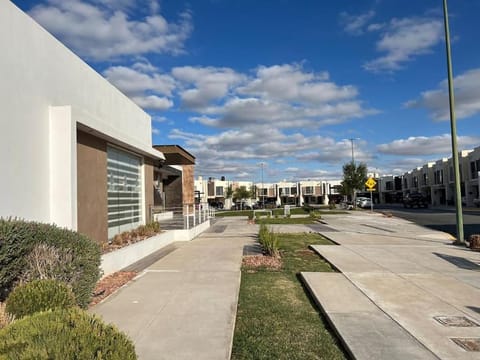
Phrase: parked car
(359, 200)
(415, 199)
(476, 202)
(364, 202)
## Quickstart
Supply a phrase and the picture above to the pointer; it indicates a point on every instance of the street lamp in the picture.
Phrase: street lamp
(453, 129)
(353, 155)
(354, 199)
(262, 164)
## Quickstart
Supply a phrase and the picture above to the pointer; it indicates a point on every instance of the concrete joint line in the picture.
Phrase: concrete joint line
(390, 317)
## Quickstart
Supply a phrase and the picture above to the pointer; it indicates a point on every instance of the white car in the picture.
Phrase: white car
(476, 202)
(364, 202)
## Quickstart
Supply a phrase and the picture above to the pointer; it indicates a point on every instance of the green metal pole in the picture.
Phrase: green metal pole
(453, 127)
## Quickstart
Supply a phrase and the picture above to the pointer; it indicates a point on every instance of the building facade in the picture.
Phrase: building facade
(74, 150)
(436, 181)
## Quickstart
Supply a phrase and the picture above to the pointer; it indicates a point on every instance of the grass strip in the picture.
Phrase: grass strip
(275, 318)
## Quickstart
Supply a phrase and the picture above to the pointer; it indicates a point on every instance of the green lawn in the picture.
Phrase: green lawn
(275, 318)
(279, 212)
(282, 220)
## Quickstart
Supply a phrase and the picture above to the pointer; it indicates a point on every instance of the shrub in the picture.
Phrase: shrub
(39, 295)
(77, 264)
(269, 241)
(64, 334)
(154, 227)
(44, 262)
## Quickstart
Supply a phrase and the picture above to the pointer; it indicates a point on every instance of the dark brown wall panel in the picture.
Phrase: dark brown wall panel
(92, 186)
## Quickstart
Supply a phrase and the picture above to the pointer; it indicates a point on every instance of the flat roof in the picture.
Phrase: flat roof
(175, 155)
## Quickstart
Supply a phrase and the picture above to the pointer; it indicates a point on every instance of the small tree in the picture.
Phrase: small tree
(253, 192)
(229, 192)
(354, 176)
(241, 193)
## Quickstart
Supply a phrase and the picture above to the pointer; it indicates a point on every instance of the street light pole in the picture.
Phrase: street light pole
(453, 128)
(354, 197)
(353, 155)
(263, 196)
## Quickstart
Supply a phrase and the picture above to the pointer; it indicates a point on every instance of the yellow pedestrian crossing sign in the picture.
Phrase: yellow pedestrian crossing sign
(370, 183)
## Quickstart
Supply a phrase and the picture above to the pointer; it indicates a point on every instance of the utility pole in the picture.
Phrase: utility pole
(453, 129)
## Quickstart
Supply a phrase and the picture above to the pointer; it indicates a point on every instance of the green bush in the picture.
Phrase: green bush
(77, 262)
(39, 295)
(153, 226)
(64, 334)
(269, 241)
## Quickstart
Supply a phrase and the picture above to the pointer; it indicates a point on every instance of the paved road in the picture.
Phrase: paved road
(438, 219)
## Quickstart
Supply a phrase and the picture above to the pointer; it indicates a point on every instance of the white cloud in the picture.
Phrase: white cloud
(136, 81)
(155, 131)
(283, 96)
(153, 102)
(404, 39)
(467, 97)
(105, 31)
(289, 82)
(236, 147)
(425, 146)
(337, 152)
(204, 84)
(159, 119)
(355, 24)
(375, 27)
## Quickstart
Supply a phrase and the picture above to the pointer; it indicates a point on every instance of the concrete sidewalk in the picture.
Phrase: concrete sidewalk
(184, 305)
(403, 291)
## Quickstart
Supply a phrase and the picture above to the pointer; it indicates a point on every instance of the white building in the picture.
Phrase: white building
(74, 150)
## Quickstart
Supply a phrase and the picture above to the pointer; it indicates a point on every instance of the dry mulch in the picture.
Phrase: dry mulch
(109, 284)
(262, 261)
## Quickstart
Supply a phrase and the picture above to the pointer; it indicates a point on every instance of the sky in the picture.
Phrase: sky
(290, 84)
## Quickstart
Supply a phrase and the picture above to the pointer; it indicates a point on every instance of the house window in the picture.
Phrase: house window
(293, 190)
(473, 170)
(309, 190)
(219, 191)
(124, 180)
(389, 185)
(438, 177)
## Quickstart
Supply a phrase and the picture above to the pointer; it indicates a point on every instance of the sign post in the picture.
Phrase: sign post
(370, 183)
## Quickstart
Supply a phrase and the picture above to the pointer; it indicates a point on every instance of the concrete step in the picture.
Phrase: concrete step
(364, 329)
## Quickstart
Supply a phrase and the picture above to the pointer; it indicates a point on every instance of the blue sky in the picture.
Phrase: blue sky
(286, 83)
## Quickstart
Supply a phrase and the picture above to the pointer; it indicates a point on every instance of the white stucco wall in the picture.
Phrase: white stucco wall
(39, 73)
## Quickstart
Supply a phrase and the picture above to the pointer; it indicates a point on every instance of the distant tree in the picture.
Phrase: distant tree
(241, 193)
(354, 177)
(229, 192)
(253, 192)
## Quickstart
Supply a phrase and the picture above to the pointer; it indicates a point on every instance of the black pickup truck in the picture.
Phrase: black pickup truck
(415, 199)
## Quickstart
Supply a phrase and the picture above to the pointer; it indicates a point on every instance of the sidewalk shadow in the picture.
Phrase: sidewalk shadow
(459, 261)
